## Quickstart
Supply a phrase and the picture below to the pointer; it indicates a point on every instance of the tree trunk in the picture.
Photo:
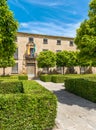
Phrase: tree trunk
(63, 69)
(47, 69)
(3, 71)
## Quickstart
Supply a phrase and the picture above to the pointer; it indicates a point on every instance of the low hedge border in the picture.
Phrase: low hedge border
(85, 88)
(61, 78)
(11, 87)
(58, 78)
(18, 77)
(35, 109)
(22, 77)
(45, 78)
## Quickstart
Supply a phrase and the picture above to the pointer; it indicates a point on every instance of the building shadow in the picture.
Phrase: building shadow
(68, 98)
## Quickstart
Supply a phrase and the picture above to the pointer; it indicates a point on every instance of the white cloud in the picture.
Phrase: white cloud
(50, 28)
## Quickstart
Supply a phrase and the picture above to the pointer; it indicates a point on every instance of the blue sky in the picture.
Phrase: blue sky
(50, 17)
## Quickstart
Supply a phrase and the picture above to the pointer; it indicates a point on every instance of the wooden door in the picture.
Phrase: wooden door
(31, 69)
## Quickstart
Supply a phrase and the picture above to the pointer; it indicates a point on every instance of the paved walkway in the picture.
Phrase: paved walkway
(73, 113)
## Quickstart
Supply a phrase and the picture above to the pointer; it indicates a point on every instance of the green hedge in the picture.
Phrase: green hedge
(11, 87)
(58, 78)
(46, 78)
(22, 77)
(33, 110)
(85, 88)
(9, 77)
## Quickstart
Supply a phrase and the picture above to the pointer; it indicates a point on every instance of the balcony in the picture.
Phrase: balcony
(31, 56)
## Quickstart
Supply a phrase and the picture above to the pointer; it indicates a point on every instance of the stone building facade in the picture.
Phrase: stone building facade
(30, 45)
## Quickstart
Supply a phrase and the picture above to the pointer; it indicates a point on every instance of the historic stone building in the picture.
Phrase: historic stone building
(30, 45)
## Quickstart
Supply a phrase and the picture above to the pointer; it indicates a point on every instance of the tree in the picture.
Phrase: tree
(73, 61)
(6, 63)
(66, 59)
(8, 29)
(86, 36)
(62, 59)
(46, 59)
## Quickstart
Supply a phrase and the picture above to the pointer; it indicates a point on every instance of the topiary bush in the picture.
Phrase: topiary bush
(83, 87)
(9, 77)
(35, 109)
(11, 87)
(58, 78)
(46, 78)
(22, 77)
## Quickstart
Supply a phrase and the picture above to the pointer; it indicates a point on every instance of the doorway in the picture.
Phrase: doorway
(31, 69)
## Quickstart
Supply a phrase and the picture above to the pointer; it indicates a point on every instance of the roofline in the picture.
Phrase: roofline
(44, 35)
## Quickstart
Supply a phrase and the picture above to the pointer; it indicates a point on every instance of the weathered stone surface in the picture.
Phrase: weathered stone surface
(73, 112)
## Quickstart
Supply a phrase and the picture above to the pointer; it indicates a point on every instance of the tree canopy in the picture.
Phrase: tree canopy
(66, 59)
(46, 59)
(86, 36)
(8, 30)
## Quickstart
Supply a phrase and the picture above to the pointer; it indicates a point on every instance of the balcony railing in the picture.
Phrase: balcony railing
(31, 56)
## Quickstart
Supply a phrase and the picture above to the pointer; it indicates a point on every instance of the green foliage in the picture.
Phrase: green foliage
(83, 87)
(22, 77)
(46, 59)
(35, 109)
(46, 78)
(8, 29)
(58, 78)
(62, 58)
(11, 87)
(66, 59)
(86, 36)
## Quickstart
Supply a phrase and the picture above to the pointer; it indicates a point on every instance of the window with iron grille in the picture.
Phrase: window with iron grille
(45, 41)
(45, 49)
(71, 43)
(15, 69)
(16, 54)
(31, 39)
(58, 42)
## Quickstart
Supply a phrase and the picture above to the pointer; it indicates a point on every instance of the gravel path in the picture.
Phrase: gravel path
(73, 112)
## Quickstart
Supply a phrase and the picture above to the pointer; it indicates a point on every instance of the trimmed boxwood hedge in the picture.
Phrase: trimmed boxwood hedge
(35, 109)
(85, 88)
(11, 87)
(22, 77)
(18, 77)
(58, 78)
(9, 77)
(46, 78)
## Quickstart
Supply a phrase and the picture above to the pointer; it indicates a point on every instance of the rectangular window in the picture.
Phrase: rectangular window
(58, 42)
(45, 41)
(15, 69)
(45, 49)
(58, 50)
(16, 54)
(71, 43)
(31, 39)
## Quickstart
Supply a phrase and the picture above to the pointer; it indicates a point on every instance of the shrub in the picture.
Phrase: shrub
(85, 88)
(22, 77)
(28, 111)
(9, 77)
(58, 78)
(11, 87)
(46, 78)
